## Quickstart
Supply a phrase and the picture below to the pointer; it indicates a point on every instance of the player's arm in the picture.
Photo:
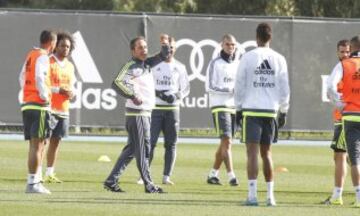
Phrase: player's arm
(284, 87)
(122, 83)
(212, 80)
(68, 90)
(184, 84)
(162, 56)
(41, 72)
(240, 85)
(22, 77)
(22, 80)
(332, 82)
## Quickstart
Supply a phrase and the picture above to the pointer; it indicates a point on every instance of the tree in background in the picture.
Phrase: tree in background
(59, 4)
(309, 8)
(175, 6)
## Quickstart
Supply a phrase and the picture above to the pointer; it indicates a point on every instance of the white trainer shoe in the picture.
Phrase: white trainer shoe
(140, 181)
(167, 181)
(36, 188)
(251, 202)
(270, 202)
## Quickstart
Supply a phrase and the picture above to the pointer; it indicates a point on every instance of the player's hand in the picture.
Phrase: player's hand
(238, 118)
(339, 105)
(66, 92)
(161, 95)
(137, 101)
(281, 120)
(171, 98)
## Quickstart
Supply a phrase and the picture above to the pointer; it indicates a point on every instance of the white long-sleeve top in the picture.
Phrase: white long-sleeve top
(262, 81)
(41, 71)
(172, 78)
(220, 82)
(332, 85)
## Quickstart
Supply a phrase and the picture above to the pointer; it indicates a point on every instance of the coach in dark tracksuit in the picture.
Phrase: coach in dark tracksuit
(135, 82)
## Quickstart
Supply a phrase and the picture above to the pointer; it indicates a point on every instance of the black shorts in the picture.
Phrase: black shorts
(60, 127)
(352, 138)
(258, 130)
(338, 141)
(36, 124)
(224, 123)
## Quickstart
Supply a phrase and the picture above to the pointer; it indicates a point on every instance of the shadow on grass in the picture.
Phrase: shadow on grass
(175, 202)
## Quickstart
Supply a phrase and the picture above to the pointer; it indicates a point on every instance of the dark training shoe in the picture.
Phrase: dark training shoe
(234, 182)
(154, 189)
(214, 180)
(113, 187)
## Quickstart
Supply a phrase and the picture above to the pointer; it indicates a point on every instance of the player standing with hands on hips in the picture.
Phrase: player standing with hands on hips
(261, 90)
(135, 83)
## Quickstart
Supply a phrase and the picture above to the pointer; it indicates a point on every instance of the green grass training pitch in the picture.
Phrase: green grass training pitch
(298, 192)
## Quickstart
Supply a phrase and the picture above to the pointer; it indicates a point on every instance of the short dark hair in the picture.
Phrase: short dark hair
(343, 42)
(133, 41)
(228, 37)
(63, 35)
(47, 36)
(263, 32)
(172, 39)
(355, 43)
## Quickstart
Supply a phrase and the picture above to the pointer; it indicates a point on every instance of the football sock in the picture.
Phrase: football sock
(39, 174)
(231, 175)
(337, 193)
(50, 171)
(270, 190)
(357, 192)
(252, 184)
(214, 173)
(31, 179)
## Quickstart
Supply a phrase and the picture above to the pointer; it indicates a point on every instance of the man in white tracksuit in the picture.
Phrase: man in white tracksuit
(261, 91)
(220, 81)
(171, 86)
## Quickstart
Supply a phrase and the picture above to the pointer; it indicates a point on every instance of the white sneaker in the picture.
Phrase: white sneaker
(270, 202)
(167, 181)
(251, 202)
(140, 181)
(36, 188)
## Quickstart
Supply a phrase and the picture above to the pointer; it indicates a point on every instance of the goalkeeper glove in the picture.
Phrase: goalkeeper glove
(281, 120)
(238, 118)
(161, 95)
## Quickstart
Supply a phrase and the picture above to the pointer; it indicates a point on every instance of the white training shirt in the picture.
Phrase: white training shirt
(262, 81)
(220, 82)
(172, 78)
(332, 82)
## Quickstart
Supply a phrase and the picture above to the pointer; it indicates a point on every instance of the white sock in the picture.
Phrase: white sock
(337, 193)
(231, 175)
(31, 179)
(50, 171)
(270, 190)
(357, 192)
(252, 185)
(214, 173)
(39, 174)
